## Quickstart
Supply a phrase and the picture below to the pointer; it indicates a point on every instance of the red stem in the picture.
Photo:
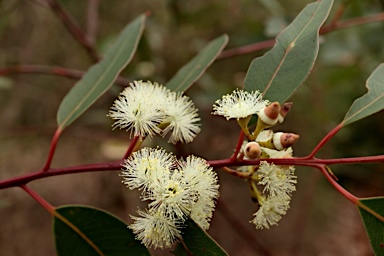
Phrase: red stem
(39, 199)
(92, 20)
(74, 29)
(24, 179)
(131, 147)
(337, 186)
(52, 149)
(325, 140)
(238, 146)
(52, 70)
(323, 30)
(246, 49)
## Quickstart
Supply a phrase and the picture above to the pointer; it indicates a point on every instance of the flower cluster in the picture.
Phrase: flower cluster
(278, 182)
(176, 190)
(147, 109)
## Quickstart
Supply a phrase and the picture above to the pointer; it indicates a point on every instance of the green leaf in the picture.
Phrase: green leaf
(198, 242)
(372, 101)
(89, 231)
(195, 68)
(373, 225)
(101, 75)
(282, 70)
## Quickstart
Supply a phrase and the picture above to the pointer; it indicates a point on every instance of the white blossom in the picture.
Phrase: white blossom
(264, 136)
(203, 181)
(239, 104)
(270, 212)
(139, 108)
(144, 168)
(279, 181)
(272, 153)
(172, 196)
(154, 229)
(181, 118)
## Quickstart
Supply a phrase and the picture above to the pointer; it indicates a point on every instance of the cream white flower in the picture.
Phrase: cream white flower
(272, 153)
(278, 181)
(172, 196)
(144, 168)
(270, 212)
(154, 229)
(148, 108)
(203, 181)
(239, 104)
(181, 118)
(139, 108)
(264, 136)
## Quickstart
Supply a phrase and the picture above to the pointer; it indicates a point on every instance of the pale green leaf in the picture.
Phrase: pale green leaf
(101, 75)
(89, 231)
(283, 69)
(372, 101)
(195, 68)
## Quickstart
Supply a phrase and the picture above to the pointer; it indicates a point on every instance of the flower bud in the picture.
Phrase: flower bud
(284, 140)
(252, 150)
(270, 114)
(285, 108)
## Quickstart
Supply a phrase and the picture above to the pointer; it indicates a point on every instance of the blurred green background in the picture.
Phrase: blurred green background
(320, 221)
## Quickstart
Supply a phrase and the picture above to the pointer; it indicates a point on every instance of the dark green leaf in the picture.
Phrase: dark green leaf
(89, 231)
(101, 75)
(192, 71)
(282, 70)
(198, 242)
(373, 225)
(372, 101)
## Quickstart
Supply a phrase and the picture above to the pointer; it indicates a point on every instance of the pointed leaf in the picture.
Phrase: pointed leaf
(282, 70)
(101, 75)
(372, 101)
(90, 231)
(194, 69)
(198, 242)
(374, 226)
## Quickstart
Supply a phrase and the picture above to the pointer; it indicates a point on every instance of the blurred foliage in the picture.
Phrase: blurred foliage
(31, 33)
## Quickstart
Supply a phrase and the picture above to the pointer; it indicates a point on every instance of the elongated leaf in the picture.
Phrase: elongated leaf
(93, 232)
(374, 226)
(372, 101)
(101, 75)
(198, 242)
(282, 70)
(192, 71)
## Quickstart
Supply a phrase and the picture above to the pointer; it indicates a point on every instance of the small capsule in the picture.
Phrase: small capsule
(284, 140)
(285, 108)
(270, 114)
(252, 150)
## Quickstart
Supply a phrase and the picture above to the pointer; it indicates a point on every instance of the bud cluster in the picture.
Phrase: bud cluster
(271, 185)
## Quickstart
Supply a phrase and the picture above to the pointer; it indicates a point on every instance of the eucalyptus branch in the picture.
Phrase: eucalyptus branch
(51, 70)
(109, 166)
(336, 185)
(52, 150)
(92, 20)
(26, 178)
(335, 25)
(74, 29)
(38, 199)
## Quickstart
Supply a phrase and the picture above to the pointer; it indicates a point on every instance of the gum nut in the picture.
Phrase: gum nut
(285, 108)
(288, 139)
(272, 111)
(252, 150)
